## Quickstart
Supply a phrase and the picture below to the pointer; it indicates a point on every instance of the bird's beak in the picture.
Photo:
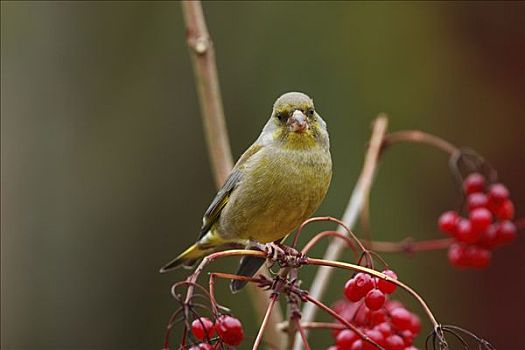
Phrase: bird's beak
(297, 122)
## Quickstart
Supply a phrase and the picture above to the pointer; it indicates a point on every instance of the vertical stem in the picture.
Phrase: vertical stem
(355, 205)
(208, 89)
(302, 334)
(205, 70)
(264, 324)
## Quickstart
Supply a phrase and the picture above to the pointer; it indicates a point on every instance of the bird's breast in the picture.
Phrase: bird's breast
(279, 190)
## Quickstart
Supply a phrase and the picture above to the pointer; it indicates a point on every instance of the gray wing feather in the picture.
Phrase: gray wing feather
(214, 210)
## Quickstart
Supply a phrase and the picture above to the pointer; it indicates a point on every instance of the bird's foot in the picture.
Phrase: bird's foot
(279, 253)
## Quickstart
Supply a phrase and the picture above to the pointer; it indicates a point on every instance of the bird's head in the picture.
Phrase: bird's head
(295, 124)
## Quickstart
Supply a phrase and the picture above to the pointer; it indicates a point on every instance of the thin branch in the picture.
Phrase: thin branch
(192, 279)
(207, 79)
(409, 246)
(264, 324)
(417, 136)
(212, 111)
(314, 325)
(302, 334)
(355, 205)
(315, 239)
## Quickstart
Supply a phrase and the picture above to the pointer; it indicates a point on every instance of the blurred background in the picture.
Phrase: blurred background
(105, 174)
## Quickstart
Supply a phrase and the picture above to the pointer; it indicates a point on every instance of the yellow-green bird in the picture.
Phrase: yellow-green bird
(275, 185)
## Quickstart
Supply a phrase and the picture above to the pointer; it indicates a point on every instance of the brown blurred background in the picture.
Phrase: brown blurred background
(105, 174)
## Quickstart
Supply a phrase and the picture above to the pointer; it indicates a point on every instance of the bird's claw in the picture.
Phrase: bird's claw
(281, 254)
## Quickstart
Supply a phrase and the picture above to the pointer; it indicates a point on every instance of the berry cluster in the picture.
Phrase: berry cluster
(487, 226)
(387, 322)
(228, 328)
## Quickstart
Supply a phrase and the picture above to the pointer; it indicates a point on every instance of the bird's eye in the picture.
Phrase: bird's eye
(280, 115)
(310, 112)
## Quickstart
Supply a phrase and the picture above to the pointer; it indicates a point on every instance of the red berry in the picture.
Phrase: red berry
(357, 287)
(345, 308)
(488, 238)
(415, 324)
(457, 256)
(505, 211)
(475, 182)
(392, 304)
(345, 339)
(351, 291)
(385, 328)
(333, 347)
(498, 193)
(202, 346)
(480, 219)
(506, 232)
(230, 330)
(395, 342)
(376, 336)
(202, 327)
(466, 233)
(401, 318)
(408, 337)
(448, 222)
(477, 200)
(377, 317)
(357, 345)
(362, 315)
(375, 299)
(385, 286)
(364, 283)
(478, 257)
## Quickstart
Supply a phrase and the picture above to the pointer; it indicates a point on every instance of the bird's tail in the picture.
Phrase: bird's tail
(188, 258)
(248, 267)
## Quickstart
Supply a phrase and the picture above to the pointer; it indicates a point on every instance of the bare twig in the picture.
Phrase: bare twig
(205, 69)
(420, 137)
(355, 205)
(302, 334)
(314, 325)
(207, 81)
(409, 246)
(262, 329)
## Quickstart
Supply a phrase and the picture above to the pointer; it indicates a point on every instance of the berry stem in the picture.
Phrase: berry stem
(312, 242)
(313, 325)
(417, 136)
(301, 332)
(169, 328)
(258, 340)
(407, 246)
(347, 266)
(330, 219)
(228, 276)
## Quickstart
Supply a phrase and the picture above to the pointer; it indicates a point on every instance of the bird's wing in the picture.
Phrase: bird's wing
(214, 210)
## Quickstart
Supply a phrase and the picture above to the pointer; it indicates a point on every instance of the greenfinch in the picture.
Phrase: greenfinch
(279, 181)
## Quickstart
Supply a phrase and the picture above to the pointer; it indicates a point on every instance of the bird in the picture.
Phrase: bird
(276, 184)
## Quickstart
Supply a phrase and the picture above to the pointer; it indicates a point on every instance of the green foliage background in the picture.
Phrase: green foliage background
(105, 174)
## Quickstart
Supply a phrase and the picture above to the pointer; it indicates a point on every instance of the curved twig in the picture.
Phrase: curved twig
(352, 267)
(418, 136)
